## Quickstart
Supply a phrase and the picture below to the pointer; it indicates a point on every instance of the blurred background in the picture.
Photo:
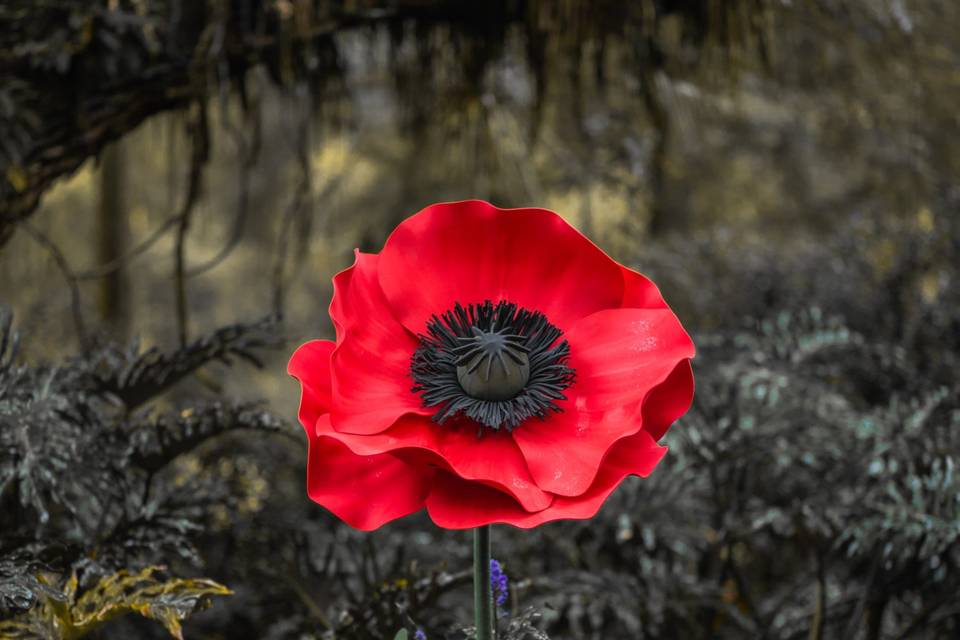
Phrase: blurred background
(181, 180)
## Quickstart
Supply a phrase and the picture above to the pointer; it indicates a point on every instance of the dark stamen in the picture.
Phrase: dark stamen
(497, 365)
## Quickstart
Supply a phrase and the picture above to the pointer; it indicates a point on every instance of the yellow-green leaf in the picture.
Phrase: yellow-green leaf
(168, 601)
(17, 177)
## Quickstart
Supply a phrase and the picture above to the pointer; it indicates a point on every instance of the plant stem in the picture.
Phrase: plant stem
(482, 590)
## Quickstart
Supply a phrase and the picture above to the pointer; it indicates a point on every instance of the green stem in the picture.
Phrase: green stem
(482, 591)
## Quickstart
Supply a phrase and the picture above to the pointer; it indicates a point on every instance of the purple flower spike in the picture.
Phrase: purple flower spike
(499, 582)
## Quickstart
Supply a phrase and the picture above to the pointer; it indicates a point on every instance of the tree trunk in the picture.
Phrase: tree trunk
(111, 239)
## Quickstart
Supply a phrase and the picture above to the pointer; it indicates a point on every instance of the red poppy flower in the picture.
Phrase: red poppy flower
(491, 365)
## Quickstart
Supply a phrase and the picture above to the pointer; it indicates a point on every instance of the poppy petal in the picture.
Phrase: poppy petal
(310, 364)
(364, 491)
(620, 356)
(639, 292)
(454, 503)
(668, 401)
(636, 455)
(471, 251)
(493, 458)
(371, 364)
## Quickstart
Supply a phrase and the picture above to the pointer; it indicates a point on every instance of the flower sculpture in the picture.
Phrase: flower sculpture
(490, 365)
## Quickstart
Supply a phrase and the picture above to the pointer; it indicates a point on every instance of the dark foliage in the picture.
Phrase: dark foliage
(82, 487)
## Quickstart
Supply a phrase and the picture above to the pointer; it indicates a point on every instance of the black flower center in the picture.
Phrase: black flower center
(496, 364)
(493, 365)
